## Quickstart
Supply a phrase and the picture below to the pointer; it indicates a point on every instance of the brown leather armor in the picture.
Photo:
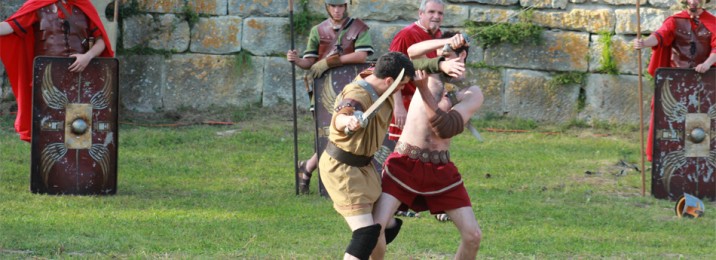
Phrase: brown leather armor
(682, 47)
(327, 35)
(60, 37)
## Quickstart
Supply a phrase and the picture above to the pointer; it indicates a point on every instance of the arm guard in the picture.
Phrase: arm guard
(447, 125)
(429, 65)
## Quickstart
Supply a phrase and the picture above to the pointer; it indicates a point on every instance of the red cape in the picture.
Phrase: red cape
(661, 57)
(17, 54)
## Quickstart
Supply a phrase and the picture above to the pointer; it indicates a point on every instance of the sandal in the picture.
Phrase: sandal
(303, 184)
(442, 217)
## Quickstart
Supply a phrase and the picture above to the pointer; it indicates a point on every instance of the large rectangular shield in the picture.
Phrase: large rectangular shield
(325, 90)
(684, 158)
(74, 127)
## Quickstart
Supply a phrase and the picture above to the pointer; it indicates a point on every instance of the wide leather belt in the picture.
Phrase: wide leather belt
(424, 155)
(346, 157)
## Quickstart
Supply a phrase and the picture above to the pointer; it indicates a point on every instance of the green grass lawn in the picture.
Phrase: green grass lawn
(228, 192)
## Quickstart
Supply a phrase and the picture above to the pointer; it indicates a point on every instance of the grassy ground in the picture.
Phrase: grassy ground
(207, 191)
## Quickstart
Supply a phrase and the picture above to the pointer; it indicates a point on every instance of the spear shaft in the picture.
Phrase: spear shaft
(293, 83)
(641, 101)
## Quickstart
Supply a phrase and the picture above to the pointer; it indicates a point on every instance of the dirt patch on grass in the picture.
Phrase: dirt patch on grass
(610, 177)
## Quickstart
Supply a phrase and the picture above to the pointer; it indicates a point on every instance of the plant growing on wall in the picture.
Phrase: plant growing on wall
(243, 61)
(304, 20)
(191, 16)
(608, 64)
(495, 33)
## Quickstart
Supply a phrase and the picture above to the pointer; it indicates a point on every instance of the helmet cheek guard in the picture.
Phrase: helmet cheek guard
(689, 206)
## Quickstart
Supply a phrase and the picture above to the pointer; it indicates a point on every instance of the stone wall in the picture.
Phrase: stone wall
(203, 64)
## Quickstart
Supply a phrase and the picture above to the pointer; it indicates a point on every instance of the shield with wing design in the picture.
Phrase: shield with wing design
(74, 127)
(325, 89)
(684, 158)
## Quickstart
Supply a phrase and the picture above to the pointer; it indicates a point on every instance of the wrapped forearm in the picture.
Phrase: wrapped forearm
(429, 65)
(447, 125)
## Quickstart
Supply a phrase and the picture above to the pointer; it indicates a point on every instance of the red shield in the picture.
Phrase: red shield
(325, 90)
(74, 128)
(684, 158)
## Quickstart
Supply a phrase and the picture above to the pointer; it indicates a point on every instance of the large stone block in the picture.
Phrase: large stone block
(162, 6)
(382, 35)
(487, 14)
(489, 2)
(211, 7)
(389, 10)
(161, 32)
(248, 8)
(561, 51)
(199, 81)
(142, 80)
(624, 55)
(278, 88)
(492, 84)
(528, 95)
(593, 21)
(615, 99)
(265, 36)
(554, 4)
(624, 2)
(455, 15)
(217, 35)
(9, 7)
(650, 19)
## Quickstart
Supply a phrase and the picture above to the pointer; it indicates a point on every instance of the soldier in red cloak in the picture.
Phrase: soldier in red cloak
(685, 40)
(64, 28)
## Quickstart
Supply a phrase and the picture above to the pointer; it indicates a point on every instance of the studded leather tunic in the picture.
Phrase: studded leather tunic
(691, 46)
(60, 37)
(351, 30)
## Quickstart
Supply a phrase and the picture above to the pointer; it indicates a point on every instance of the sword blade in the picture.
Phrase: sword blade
(369, 112)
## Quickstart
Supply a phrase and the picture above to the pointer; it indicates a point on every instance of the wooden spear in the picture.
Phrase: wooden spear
(293, 83)
(641, 101)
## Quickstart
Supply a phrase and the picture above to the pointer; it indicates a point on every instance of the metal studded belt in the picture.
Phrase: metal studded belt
(424, 155)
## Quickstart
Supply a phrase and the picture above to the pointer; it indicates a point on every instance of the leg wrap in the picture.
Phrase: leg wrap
(447, 125)
(364, 241)
(391, 233)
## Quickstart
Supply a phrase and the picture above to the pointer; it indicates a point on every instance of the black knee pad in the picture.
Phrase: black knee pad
(363, 241)
(391, 233)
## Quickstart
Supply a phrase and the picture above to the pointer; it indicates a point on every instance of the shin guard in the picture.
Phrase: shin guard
(363, 241)
(391, 233)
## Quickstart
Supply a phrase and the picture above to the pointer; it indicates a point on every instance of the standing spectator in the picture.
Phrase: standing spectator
(337, 40)
(685, 40)
(69, 27)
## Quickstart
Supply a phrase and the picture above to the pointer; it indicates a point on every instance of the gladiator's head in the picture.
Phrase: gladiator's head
(344, 3)
(693, 6)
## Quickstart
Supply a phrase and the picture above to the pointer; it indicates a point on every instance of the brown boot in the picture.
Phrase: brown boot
(303, 184)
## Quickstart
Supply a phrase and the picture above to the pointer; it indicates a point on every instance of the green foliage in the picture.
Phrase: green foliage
(498, 121)
(567, 78)
(304, 20)
(190, 15)
(243, 61)
(482, 65)
(608, 64)
(128, 9)
(488, 34)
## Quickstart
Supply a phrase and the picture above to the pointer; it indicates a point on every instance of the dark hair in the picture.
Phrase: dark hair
(465, 48)
(390, 64)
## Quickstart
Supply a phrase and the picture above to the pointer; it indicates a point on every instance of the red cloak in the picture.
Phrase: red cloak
(17, 54)
(661, 57)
